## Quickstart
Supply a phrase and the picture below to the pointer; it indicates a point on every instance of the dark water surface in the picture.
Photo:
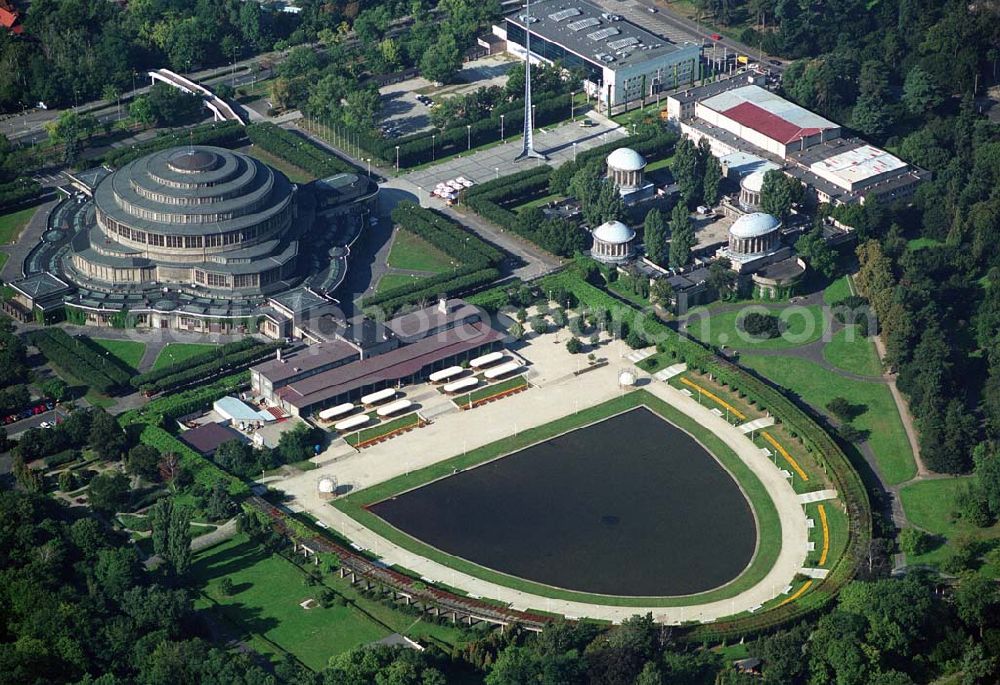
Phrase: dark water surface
(629, 506)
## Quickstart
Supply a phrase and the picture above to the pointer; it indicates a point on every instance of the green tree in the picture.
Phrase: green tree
(721, 279)
(655, 236)
(106, 436)
(178, 551)
(920, 93)
(661, 292)
(817, 252)
(871, 116)
(975, 599)
(574, 346)
(711, 181)
(682, 238)
(777, 193)
(442, 61)
(914, 542)
(685, 170)
(108, 492)
(144, 461)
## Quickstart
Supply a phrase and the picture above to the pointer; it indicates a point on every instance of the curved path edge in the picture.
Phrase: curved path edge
(790, 514)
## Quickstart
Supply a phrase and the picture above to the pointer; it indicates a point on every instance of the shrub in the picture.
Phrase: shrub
(973, 507)
(296, 150)
(574, 346)
(226, 586)
(914, 542)
(759, 325)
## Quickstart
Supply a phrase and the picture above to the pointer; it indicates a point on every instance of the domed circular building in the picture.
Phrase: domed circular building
(754, 234)
(626, 169)
(750, 188)
(208, 219)
(614, 243)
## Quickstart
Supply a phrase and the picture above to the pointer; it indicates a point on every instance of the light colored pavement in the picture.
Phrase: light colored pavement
(559, 393)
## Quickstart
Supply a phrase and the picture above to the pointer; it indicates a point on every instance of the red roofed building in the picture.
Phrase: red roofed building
(10, 18)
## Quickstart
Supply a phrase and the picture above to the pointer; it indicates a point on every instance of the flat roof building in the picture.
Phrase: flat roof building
(620, 61)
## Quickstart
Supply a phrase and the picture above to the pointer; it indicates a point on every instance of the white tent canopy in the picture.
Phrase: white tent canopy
(445, 374)
(486, 360)
(394, 407)
(380, 396)
(353, 422)
(462, 384)
(333, 412)
(502, 370)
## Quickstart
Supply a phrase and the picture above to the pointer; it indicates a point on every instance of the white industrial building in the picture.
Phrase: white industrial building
(750, 128)
(619, 60)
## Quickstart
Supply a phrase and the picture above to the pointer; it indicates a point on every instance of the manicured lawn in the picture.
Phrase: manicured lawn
(3, 259)
(767, 516)
(930, 505)
(384, 428)
(817, 387)
(538, 202)
(850, 351)
(491, 390)
(412, 253)
(12, 224)
(129, 352)
(265, 604)
(837, 291)
(390, 281)
(627, 294)
(175, 352)
(803, 325)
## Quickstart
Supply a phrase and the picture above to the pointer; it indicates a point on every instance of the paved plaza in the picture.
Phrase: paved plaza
(558, 392)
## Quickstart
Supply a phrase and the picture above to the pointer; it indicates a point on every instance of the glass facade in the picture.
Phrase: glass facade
(556, 53)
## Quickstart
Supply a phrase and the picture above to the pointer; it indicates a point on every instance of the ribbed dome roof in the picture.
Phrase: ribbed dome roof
(755, 181)
(754, 225)
(614, 232)
(626, 159)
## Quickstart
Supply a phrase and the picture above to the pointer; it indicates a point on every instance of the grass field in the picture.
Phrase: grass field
(930, 505)
(491, 390)
(803, 325)
(176, 352)
(817, 387)
(265, 604)
(921, 243)
(3, 259)
(129, 352)
(12, 224)
(412, 253)
(538, 202)
(384, 428)
(767, 516)
(390, 281)
(850, 351)
(837, 291)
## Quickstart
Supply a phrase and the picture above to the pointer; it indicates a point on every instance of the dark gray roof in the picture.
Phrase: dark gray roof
(41, 285)
(300, 300)
(579, 27)
(422, 322)
(207, 437)
(305, 359)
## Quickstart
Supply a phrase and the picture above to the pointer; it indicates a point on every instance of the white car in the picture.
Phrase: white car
(45, 424)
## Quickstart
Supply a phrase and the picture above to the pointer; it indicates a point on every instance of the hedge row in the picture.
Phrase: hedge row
(814, 438)
(229, 363)
(223, 134)
(19, 191)
(77, 358)
(488, 200)
(436, 143)
(202, 470)
(450, 237)
(445, 285)
(162, 410)
(297, 150)
(162, 378)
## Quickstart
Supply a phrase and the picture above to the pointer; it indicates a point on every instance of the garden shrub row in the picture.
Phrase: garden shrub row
(802, 426)
(208, 366)
(436, 143)
(489, 199)
(202, 470)
(195, 360)
(162, 410)
(18, 191)
(444, 285)
(453, 239)
(73, 355)
(223, 134)
(297, 150)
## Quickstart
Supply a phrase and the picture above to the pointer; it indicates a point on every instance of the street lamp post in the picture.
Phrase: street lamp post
(433, 153)
(397, 159)
(368, 160)
(497, 169)
(574, 151)
(572, 106)
(503, 138)
(468, 130)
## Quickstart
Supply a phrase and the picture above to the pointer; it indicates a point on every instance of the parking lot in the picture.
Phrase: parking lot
(403, 112)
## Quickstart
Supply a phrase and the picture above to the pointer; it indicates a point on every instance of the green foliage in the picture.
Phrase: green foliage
(199, 368)
(165, 105)
(108, 492)
(682, 238)
(760, 325)
(778, 193)
(82, 358)
(297, 150)
(223, 134)
(914, 542)
(817, 253)
(655, 236)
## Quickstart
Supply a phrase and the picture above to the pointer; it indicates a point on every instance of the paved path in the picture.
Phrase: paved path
(29, 237)
(559, 391)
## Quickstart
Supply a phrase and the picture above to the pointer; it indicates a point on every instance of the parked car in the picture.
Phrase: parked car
(651, 10)
(775, 62)
(716, 36)
(587, 123)
(45, 424)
